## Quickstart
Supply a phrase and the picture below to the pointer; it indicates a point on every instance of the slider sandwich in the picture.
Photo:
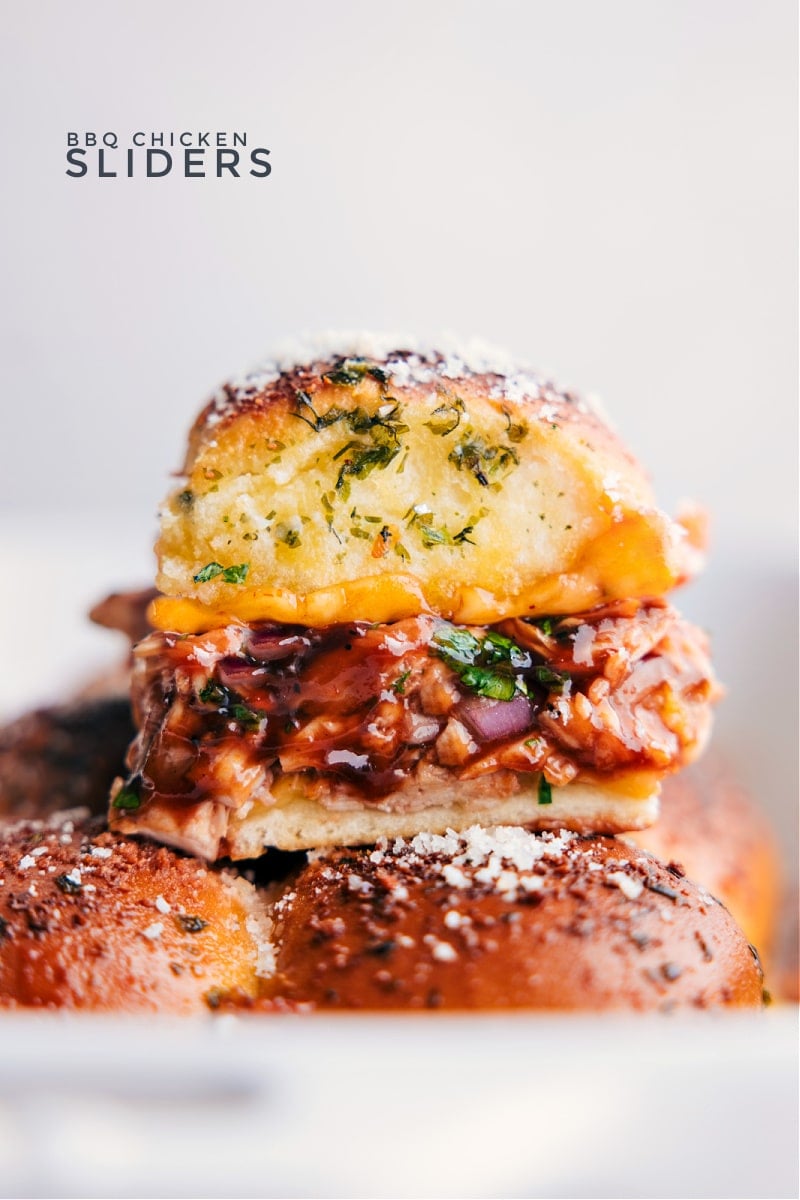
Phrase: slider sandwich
(406, 590)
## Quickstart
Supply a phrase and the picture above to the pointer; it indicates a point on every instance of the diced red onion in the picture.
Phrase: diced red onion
(236, 673)
(490, 720)
(270, 646)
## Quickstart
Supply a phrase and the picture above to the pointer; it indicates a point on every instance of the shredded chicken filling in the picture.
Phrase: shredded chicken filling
(221, 714)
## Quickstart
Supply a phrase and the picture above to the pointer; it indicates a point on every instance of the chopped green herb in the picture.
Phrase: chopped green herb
(399, 685)
(314, 420)
(497, 685)
(209, 571)
(474, 455)
(492, 665)
(554, 681)
(214, 693)
(290, 538)
(383, 430)
(351, 371)
(234, 574)
(433, 537)
(360, 533)
(545, 791)
(487, 665)
(401, 552)
(126, 800)
(248, 718)
(545, 624)
(498, 648)
(186, 499)
(514, 433)
(237, 573)
(228, 703)
(446, 418)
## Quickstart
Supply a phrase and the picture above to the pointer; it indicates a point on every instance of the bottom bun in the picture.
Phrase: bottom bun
(300, 821)
(500, 919)
(489, 919)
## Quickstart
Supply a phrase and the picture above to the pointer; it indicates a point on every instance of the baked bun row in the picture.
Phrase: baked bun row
(491, 919)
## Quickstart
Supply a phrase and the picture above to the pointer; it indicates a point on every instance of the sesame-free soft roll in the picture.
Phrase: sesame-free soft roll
(501, 918)
(382, 486)
(406, 590)
(93, 921)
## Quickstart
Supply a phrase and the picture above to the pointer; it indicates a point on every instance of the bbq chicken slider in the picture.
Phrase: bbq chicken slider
(406, 589)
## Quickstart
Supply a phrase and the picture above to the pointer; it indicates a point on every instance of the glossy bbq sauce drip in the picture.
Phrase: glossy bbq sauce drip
(328, 700)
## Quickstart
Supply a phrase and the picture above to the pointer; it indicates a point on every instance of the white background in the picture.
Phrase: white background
(607, 187)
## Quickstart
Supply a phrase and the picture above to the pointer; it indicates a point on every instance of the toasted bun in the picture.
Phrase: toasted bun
(493, 918)
(91, 921)
(722, 838)
(389, 484)
(497, 919)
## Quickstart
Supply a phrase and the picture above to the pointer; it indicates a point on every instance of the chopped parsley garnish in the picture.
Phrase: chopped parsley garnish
(351, 371)
(554, 681)
(306, 412)
(493, 665)
(248, 718)
(422, 519)
(399, 685)
(446, 418)
(126, 800)
(545, 791)
(290, 538)
(488, 666)
(377, 441)
(546, 625)
(214, 693)
(383, 430)
(482, 461)
(514, 432)
(234, 574)
(228, 703)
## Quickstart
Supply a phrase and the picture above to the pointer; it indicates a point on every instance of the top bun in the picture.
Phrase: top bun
(382, 479)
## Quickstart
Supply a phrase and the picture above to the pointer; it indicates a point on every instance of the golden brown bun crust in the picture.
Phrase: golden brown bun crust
(592, 924)
(80, 926)
(473, 495)
(711, 826)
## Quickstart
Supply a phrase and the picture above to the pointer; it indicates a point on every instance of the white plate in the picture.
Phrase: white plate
(520, 1106)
